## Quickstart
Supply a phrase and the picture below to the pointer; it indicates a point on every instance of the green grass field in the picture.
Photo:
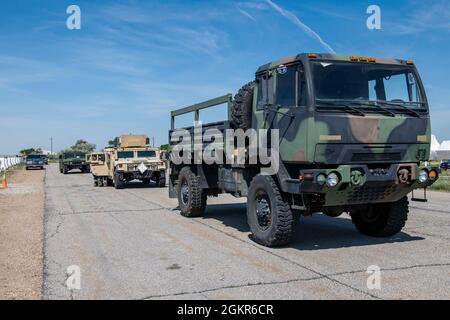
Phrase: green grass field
(443, 184)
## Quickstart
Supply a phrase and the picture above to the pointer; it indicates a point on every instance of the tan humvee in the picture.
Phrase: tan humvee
(100, 167)
(131, 160)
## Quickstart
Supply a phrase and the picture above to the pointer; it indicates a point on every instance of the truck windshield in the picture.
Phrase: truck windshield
(125, 154)
(146, 154)
(356, 83)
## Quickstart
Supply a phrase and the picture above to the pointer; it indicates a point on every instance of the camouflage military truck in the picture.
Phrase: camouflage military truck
(353, 132)
(71, 160)
(131, 160)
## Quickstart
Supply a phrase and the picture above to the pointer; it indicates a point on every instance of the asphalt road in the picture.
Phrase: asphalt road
(133, 244)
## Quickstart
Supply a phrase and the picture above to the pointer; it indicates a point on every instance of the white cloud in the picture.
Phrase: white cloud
(295, 20)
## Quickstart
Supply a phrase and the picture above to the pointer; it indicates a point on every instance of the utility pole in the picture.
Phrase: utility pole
(153, 141)
(51, 145)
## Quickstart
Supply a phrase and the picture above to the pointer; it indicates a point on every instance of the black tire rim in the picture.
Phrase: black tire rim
(370, 216)
(263, 211)
(184, 192)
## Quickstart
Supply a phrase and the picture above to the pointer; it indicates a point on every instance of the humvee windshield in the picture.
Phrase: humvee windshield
(68, 155)
(125, 154)
(146, 154)
(392, 86)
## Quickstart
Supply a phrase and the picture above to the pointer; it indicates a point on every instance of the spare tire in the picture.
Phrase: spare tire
(241, 111)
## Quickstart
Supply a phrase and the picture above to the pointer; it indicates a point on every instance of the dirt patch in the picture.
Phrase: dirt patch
(21, 235)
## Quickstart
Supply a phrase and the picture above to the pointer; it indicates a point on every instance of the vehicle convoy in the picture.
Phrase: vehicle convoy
(70, 160)
(133, 159)
(34, 161)
(353, 132)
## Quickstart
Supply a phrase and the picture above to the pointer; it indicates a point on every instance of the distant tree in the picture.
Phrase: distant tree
(114, 142)
(83, 146)
(28, 151)
(164, 147)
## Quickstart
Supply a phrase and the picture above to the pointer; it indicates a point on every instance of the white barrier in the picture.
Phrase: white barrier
(8, 162)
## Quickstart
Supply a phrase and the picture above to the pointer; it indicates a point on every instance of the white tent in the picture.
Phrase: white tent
(435, 146)
(444, 151)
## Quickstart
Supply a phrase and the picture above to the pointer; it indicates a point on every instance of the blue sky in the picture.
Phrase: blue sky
(133, 61)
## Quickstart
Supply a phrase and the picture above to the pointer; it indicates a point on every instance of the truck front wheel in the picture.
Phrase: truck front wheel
(269, 216)
(191, 197)
(382, 220)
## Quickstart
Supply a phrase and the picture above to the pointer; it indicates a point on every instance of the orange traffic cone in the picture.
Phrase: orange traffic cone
(4, 182)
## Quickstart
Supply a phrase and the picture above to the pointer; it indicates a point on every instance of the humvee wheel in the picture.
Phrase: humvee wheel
(64, 170)
(96, 182)
(382, 220)
(269, 216)
(161, 182)
(117, 183)
(191, 197)
(241, 111)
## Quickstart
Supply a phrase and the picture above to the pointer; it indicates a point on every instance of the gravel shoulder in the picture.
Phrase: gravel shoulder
(21, 235)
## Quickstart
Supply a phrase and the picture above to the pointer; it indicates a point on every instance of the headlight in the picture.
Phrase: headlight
(29, 162)
(332, 180)
(321, 179)
(423, 176)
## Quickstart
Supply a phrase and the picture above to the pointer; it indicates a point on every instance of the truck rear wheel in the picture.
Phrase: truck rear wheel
(241, 111)
(382, 220)
(191, 197)
(269, 216)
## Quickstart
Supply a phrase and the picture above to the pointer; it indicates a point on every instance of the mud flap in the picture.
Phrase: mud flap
(172, 189)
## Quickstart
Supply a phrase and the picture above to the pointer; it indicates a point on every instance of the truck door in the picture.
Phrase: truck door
(264, 100)
(290, 116)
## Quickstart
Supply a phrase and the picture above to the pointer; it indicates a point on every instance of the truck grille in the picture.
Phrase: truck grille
(361, 157)
(367, 194)
(134, 167)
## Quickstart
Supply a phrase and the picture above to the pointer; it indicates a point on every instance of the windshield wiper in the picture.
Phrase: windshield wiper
(374, 104)
(394, 104)
(347, 107)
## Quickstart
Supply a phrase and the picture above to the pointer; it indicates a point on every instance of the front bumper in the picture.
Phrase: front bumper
(369, 186)
(34, 165)
(76, 165)
(136, 175)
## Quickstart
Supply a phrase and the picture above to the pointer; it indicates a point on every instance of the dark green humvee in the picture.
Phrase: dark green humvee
(73, 160)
